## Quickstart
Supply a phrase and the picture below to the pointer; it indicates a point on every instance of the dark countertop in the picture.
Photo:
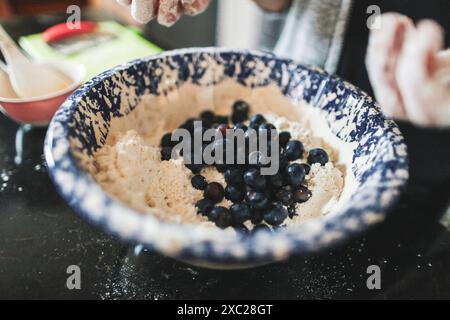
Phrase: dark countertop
(40, 236)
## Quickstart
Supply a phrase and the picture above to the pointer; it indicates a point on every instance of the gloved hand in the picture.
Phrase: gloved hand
(409, 73)
(167, 12)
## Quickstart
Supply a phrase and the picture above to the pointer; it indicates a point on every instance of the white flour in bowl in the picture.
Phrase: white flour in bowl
(129, 167)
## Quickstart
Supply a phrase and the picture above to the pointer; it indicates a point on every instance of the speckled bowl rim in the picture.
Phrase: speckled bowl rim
(196, 243)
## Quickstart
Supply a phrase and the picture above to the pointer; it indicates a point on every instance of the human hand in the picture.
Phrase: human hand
(167, 12)
(409, 73)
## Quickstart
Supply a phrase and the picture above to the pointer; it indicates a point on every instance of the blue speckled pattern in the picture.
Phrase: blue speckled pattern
(380, 161)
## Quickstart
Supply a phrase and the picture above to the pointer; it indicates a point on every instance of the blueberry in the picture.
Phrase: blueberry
(302, 194)
(166, 140)
(294, 150)
(257, 200)
(221, 167)
(241, 156)
(189, 125)
(258, 159)
(221, 217)
(276, 181)
(268, 147)
(241, 107)
(257, 217)
(204, 206)
(221, 120)
(214, 192)
(207, 117)
(199, 130)
(199, 182)
(278, 228)
(261, 228)
(285, 197)
(248, 189)
(240, 228)
(220, 154)
(220, 145)
(267, 127)
(251, 135)
(239, 117)
(318, 156)
(277, 215)
(295, 174)
(307, 168)
(256, 121)
(292, 210)
(234, 177)
(283, 162)
(284, 138)
(240, 126)
(254, 179)
(166, 154)
(240, 213)
(267, 130)
(234, 194)
(195, 168)
(222, 128)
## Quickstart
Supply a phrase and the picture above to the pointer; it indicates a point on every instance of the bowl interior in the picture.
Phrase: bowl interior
(74, 71)
(38, 111)
(378, 161)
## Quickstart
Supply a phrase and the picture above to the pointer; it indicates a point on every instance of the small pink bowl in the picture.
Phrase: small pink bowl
(40, 110)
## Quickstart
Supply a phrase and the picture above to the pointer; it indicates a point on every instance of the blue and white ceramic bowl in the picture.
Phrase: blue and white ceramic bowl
(380, 162)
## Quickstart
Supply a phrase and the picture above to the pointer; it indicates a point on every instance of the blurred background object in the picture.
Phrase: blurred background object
(10, 8)
(243, 18)
(238, 24)
(106, 45)
(238, 18)
(189, 31)
(242, 24)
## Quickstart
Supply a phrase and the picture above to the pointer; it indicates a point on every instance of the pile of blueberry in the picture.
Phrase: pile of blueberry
(263, 200)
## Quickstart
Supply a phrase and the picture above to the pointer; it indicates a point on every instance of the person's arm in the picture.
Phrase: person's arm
(274, 5)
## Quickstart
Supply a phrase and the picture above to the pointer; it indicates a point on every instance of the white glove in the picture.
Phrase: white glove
(409, 74)
(167, 12)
